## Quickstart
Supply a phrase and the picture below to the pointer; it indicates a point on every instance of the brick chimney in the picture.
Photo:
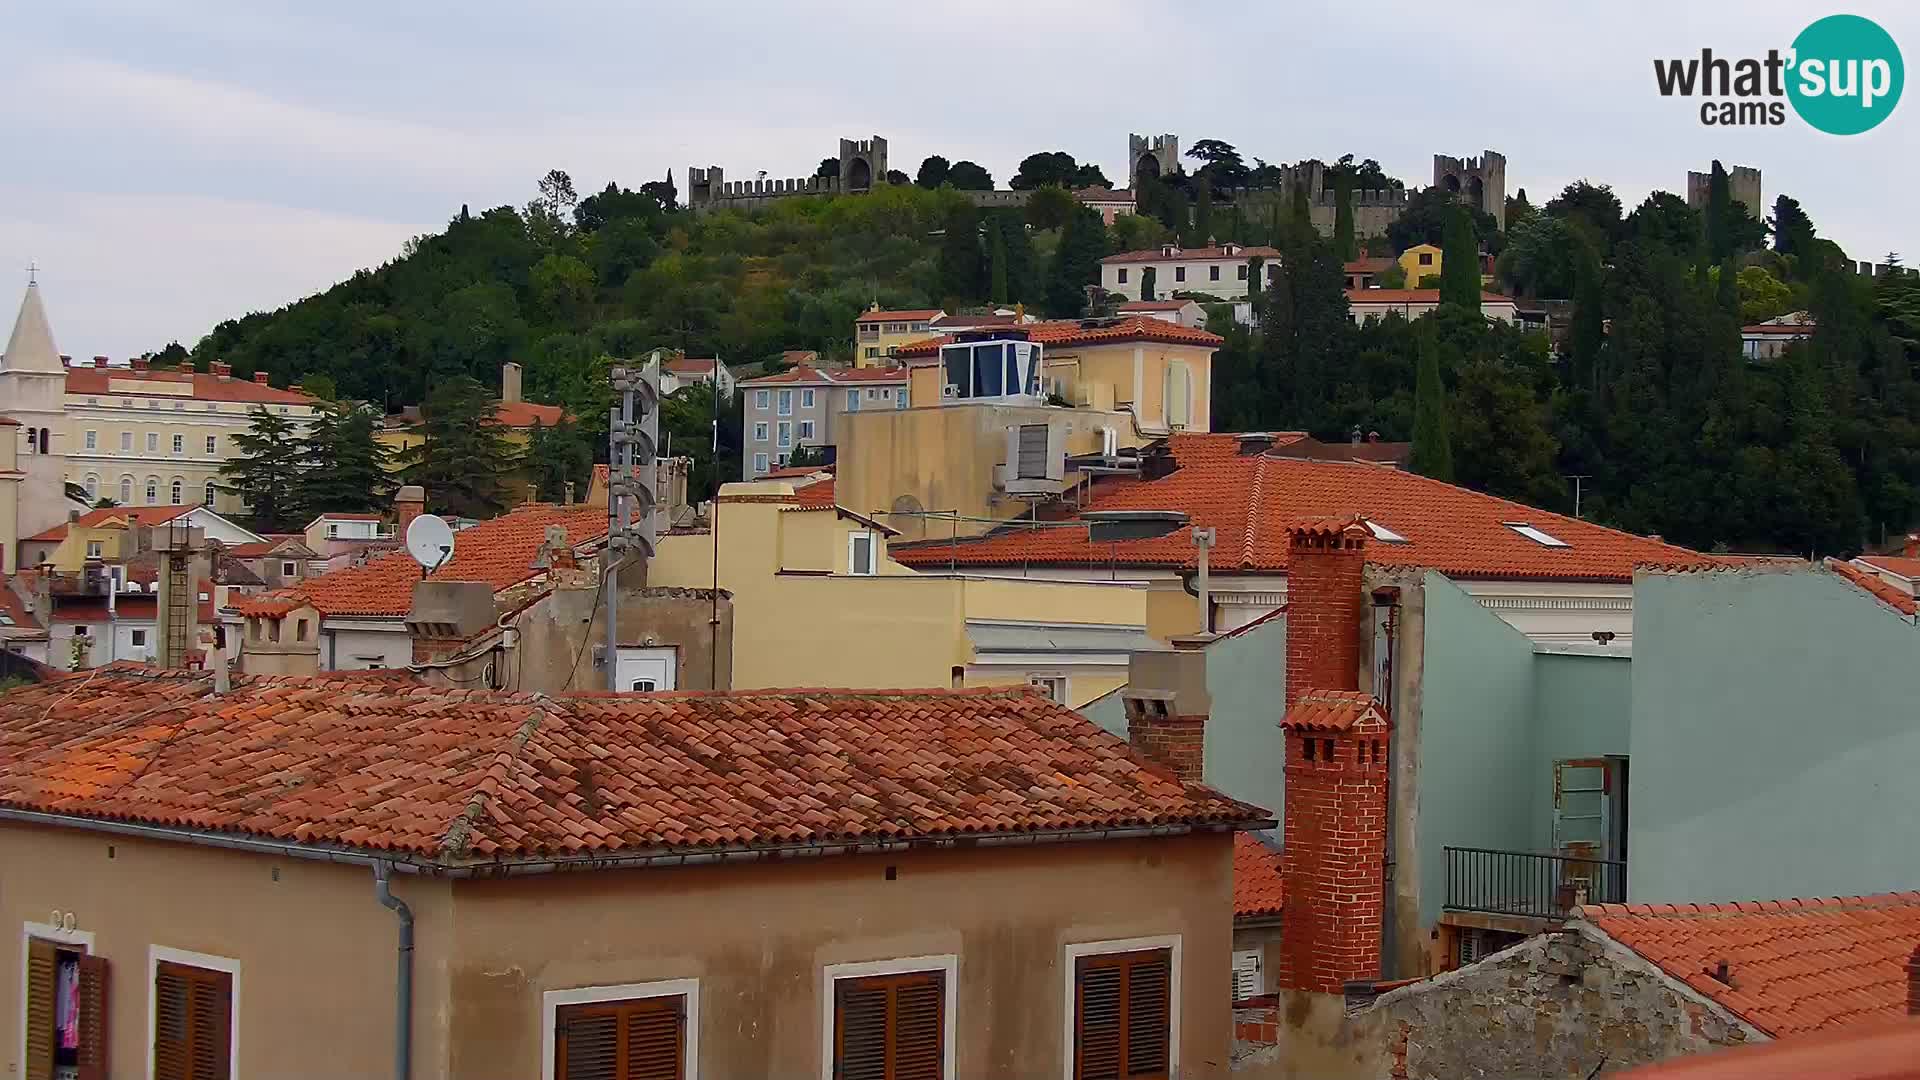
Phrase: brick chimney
(221, 368)
(99, 361)
(1912, 548)
(509, 383)
(1167, 705)
(260, 377)
(408, 503)
(139, 363)
(1334, 858)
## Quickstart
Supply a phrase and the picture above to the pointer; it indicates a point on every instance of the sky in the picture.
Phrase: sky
(172, 166)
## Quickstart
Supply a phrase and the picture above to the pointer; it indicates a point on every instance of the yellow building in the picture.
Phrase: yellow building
(515, 415)
(817, 602)
(1420, 262)
(876, 333)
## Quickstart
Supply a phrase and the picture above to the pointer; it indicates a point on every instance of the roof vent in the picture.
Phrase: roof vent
(1255, 442)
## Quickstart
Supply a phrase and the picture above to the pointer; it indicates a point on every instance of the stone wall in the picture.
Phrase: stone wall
(1562, 1004)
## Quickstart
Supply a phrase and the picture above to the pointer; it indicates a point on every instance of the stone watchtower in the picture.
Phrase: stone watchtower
(1158, 156)
(863, 163)
(1482, 180)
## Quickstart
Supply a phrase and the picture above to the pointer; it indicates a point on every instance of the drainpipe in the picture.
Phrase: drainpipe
(403, 989)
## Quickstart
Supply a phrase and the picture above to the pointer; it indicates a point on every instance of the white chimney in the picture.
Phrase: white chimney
(509, 382)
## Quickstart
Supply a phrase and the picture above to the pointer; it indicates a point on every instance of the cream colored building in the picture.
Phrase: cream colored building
(1217, 271)
(32, 388)
(1410, 304)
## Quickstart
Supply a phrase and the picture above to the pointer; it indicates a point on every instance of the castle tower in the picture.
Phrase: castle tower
(33, 394)
(1158, 156)
(1482, 181)
(1743, 184)
(1334, 859)
(863, 163)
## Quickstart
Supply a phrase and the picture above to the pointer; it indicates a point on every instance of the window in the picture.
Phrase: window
(139, 638)
(860, 546)
(872, 352)
(80, 630)
(1537, 536)
(759, 463)
(806, 430)
(900, 399)
(889, 1025)
(300, 630)
(869, 331)
(785, 432)
(853, 401)
(919, 327)
(806, 398)
(126, 441)
(1179, 273)
(92, 484)
(643, 1031)
(872, 393)
(762, 399)
(1055, 687)
(179, 490)
(179, 444)
(206, 495)
(95, 549)
(287, 569)
(1120, 1017)
(194, 1006)
(153, 490)
(153, 442)
(786, 403)
(57, 960)
(1123, 276)
(896, 328)
(1426, 258)
(1241, 271)
(212, 442)
(760, 431)
(126, 490)
(182, 405)
(1247, 982)
(93, 439)
(1213, 272)
(1177, 397)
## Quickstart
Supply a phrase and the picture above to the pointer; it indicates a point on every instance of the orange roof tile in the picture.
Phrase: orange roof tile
(523, 414)
(1067, 332)
(817, 495)
(17, 617)
(1258, 888)
(806, 373)
(454, 777)
(1193, 254)
(98, 380)
(1888, 1051)
(1903, 565)
(1793, 966)
(914, 315)
(109, 516)
(1250, 499)
(499, 552)
(689, 365)
(1335, 710)
(1873, 585)
(1368, 264)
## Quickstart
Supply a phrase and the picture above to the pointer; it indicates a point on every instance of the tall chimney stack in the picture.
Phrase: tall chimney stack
(509, 383)
(1325, 602)
(408, 503)
(1167, 704)
(260, 377)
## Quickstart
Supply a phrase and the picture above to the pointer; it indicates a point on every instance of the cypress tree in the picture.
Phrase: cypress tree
(1729, 295)
(1255, 265)
(1460, 262)
(1076, 262)
(1203, 214)
(1432, 445)
(960, 253)
(1719, 211)
(1302, 223)
(1343, 242)
(997, 264)
(1147, 277)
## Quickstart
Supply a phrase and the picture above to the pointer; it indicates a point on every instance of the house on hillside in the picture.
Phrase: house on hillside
(1410, 304)
(877, 333)
(1216, 270)
(806, 407)
(1178, 312)
(681, 370)
(811, 864)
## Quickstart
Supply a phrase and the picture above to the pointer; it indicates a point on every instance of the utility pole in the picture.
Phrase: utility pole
(633, 430)
(1576, 478)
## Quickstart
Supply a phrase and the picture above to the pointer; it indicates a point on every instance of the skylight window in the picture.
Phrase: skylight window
(1384, 534)
(1542, 538)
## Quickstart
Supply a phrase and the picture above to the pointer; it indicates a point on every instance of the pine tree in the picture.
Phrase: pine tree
(1147, 277)
(346, 467)
(1076, 262)
(1432, 446)
(1460, 262)
(266, 476)
(465, 460)
(1022, 275)
(1343, 242)
(556, 455)
(997, 265)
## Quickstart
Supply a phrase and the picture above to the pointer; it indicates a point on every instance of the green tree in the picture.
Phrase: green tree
(1223, 167)
(960, 277)
(1049, 206)
(1424, 221)
(1394, 276)
(1432, 445)
(464, 460)
(1076, 262)
(1762, 296)
(266, 473)
(997, 266)
(968, 176)
(1138, 232)
(564, 287)
(1202, 214)
(1792, 229)
(320, 386)
(345, 468)
(1343, 243)
(1146, 283)
(933, 171)
(556, 456)
(1460, 264)
(1010, 228)
(1055, 168)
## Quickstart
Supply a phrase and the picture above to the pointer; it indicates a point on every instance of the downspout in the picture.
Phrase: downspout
(403, 987)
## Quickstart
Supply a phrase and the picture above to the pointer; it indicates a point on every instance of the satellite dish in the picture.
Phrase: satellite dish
(429, 541)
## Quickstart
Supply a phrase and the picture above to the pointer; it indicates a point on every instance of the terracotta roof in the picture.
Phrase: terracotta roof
(1156, 305)
(95, 380)
(1334, 710)
(1397, 454)
(1880, 1052)
(1251, 499)
(1100, 194)
(817, 495)
(1779, 330)
(345, 517)
(689, 365)
(499, 552)
(1241, 254)
(1897, 599)
(1094, 332)
(15, 610)
(523, 414)
(806, 373)
(1412, 296)
(110, 516)
(915, 315)
(1793, 966)
(451, 777)
(1903, 565)
(1258, 888)
(795, 471)
(1368, 264)
(970, 322)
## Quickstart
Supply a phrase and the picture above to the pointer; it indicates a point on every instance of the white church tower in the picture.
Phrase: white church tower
(33, 394)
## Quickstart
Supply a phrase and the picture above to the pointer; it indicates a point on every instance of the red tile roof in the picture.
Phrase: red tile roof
(1793, 966)
(1258, 888)
(1412, 296)
(1368, 264)
(1094, 332)
(499, 552)
(523, 414)
(15, 609)
(1249, 500)
(94, 380)
(806, 373)
(1888, 1051)
(793, 471)
(1871, 583)
(1796, 330)
(1903, 565)
(817, 495)
(1240, 254)
(689, 365)
(1100, 194)
(110, 516)
(455, 777)
(1334, 710)
(915, 315)
(1156, 305)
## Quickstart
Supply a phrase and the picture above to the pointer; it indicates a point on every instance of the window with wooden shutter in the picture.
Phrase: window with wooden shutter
(639, 1039)
(890, 1027)
(192, 1023)
(91, 1054)
(42, 959)
(1122, 1011)
(65, 1038)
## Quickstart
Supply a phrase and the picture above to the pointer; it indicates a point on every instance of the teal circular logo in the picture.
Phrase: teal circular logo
(1846, 74)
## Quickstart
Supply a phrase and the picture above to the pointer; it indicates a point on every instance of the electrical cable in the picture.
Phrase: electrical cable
(611, 570)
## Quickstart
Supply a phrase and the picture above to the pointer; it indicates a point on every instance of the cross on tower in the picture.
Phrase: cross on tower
(31, 271)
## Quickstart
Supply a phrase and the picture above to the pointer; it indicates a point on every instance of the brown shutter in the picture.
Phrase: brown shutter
(643, 1039)
(890, 1027)
(193, 1023)
(919, 1014)
(41, 962)
(92, 1058)
(1122, 1005)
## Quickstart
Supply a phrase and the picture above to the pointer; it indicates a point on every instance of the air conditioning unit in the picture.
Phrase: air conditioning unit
(1036, 459)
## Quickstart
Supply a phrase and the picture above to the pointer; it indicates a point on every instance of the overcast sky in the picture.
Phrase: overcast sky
(170, 166)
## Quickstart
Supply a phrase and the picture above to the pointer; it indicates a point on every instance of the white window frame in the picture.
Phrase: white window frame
(288, 569)
(208, 490)
(806, 397)
(93, 439)
(177, 491)
(873, 553)
(205, 961)
(137, 638)
(759, 431)
(179, 444)
(1536, 534)
(1170, 942)
(59, 936)
(948, 964)
(759, 464)
(126, 491)
(783, 403)
(213, 444)
(763, 399)
(126, 442)
(853, 401)
(153, 442)
(1046, 679)
(806, 431)
(96, 549)
(783, 434)
(686, 989)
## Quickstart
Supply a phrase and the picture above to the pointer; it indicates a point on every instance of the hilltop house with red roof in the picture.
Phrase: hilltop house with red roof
(681, 370)
(877, 333)
(1216, 270)
(812, 865)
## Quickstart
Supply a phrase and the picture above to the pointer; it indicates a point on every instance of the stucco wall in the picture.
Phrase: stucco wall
(1773, 713)
(758, 936)
(1246, 677)
(310, 938)
(1582, 707)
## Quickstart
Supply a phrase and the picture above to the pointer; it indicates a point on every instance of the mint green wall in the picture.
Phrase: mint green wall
(1581, 707)
(1776, 740)
(1247, 678)
(1475, 736)
(1107, 711)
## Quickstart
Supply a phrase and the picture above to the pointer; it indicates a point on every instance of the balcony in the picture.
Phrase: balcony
(1530, 885)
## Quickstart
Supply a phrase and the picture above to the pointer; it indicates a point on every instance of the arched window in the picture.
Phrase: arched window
(153, 490)
(126, 490)
(208, 502)
(33, 440)
(179, 489)
(46, 441)
(92, 485)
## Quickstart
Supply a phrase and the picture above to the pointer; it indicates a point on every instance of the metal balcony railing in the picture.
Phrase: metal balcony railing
(1534, 884)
